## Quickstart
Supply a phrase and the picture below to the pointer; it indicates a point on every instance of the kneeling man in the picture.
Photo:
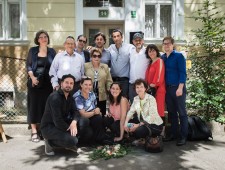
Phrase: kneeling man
(59, 122)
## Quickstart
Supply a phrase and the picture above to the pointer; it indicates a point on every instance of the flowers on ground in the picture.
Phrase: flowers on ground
(109, 151)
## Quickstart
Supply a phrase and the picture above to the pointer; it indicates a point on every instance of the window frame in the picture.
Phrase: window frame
(6, 39)
(157, 16)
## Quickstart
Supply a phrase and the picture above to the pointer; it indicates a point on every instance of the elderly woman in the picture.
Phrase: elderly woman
(148, 118)
(39, 86)
(100, 76)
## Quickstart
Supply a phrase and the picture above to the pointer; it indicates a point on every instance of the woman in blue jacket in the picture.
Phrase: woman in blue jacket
(39, 86)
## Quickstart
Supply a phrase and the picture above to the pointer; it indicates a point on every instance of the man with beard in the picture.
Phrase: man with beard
(138, 63)
(59, 122)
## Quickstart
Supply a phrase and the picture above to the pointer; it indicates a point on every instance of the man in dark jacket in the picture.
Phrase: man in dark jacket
(59, 122)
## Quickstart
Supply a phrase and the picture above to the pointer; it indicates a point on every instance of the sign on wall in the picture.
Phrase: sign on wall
(103, 13)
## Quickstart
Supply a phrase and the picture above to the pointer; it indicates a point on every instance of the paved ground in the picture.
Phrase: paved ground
(20, 153)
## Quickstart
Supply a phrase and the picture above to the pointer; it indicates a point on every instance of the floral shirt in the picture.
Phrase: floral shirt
(88, 104)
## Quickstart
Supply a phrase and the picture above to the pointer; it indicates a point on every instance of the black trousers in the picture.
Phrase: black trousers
(58, 138)
(102, 107)
(114, 126)
(143, 131)
(94, 128)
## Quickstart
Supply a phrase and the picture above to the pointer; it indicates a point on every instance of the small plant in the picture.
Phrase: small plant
(206, 86)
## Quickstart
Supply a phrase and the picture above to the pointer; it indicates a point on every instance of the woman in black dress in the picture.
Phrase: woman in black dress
(39, 86)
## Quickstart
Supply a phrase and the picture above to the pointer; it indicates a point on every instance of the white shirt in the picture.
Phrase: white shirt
(138, 64)
(64, 64)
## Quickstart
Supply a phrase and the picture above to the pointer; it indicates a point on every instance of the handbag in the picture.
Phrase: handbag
(153, 144)
(151, 91)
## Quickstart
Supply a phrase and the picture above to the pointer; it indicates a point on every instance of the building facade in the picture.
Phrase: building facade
(21, 19)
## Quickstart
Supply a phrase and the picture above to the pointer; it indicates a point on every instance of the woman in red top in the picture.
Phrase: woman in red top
(155, 77)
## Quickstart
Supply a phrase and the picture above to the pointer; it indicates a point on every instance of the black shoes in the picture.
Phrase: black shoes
(168, 139)
(181, 142)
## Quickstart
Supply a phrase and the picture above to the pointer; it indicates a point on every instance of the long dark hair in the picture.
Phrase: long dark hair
(111, 99)
(152, 47)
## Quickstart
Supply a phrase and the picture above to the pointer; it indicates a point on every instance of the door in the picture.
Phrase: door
(92, 28)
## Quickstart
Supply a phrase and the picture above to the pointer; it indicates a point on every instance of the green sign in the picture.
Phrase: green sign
(103, 13)
(133, 14)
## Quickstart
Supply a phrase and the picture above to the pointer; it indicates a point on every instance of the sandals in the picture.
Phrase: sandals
(35, 138)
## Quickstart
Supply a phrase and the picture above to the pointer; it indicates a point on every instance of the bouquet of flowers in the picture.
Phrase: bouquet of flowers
(109, 151)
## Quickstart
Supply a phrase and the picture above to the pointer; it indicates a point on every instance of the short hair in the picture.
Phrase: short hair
(152, 47)
(38, 34)
(71, 37)
(81, 36)
(84, 78)
(100, 34)
(169, 38)
(139, 81)
(117, 30)
(67, 76)
(95, 50)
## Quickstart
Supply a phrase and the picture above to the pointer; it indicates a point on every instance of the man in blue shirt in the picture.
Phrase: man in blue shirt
(120, 61)
(175, 67)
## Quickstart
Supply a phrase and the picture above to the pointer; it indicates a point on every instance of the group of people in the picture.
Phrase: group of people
(68, 93)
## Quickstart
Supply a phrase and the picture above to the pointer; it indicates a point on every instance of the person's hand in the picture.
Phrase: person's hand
(152, 85)
(179, 92)
(125, 127)
(89, 48)
(73, 128)
(134, 127)
(97, 111)
(56, 88)
(34, 81)
(117, 139)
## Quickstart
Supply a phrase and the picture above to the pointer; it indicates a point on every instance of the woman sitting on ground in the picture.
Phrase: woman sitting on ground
(118, 107)
(85, 101)
(145, 106)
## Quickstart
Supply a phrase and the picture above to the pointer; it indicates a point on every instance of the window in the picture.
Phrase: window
(103, 3)
(158, 19)
(12, 24)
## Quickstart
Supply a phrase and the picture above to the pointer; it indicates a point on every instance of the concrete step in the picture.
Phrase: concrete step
(16, 130)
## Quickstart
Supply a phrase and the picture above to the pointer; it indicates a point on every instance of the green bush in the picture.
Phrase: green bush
(206, 86)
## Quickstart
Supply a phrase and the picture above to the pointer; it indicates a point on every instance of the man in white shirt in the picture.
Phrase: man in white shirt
(67, 62)
(138, 63)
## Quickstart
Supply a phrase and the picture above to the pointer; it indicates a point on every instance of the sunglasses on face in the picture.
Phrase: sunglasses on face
(82, 41)
(95, 56)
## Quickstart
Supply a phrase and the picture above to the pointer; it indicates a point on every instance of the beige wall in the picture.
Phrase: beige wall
(57, 17)
(190, 7)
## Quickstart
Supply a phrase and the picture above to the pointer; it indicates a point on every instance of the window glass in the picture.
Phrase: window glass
(103, 3)
(165, 20)
(91, 35)
(14, 20)
(150, 21)
(1, 23)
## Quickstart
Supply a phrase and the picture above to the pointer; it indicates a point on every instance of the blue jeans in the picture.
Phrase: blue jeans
(176, 107)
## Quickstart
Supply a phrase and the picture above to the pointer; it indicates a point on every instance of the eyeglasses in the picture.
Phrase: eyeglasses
(82, 41)
(95, 56)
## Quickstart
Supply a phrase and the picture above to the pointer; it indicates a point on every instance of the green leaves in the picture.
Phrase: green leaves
(206, 85)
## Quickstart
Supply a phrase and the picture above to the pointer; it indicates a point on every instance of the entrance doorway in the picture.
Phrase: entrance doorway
(90, 29)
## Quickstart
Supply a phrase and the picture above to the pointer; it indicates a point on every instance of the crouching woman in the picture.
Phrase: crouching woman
(149, 121)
